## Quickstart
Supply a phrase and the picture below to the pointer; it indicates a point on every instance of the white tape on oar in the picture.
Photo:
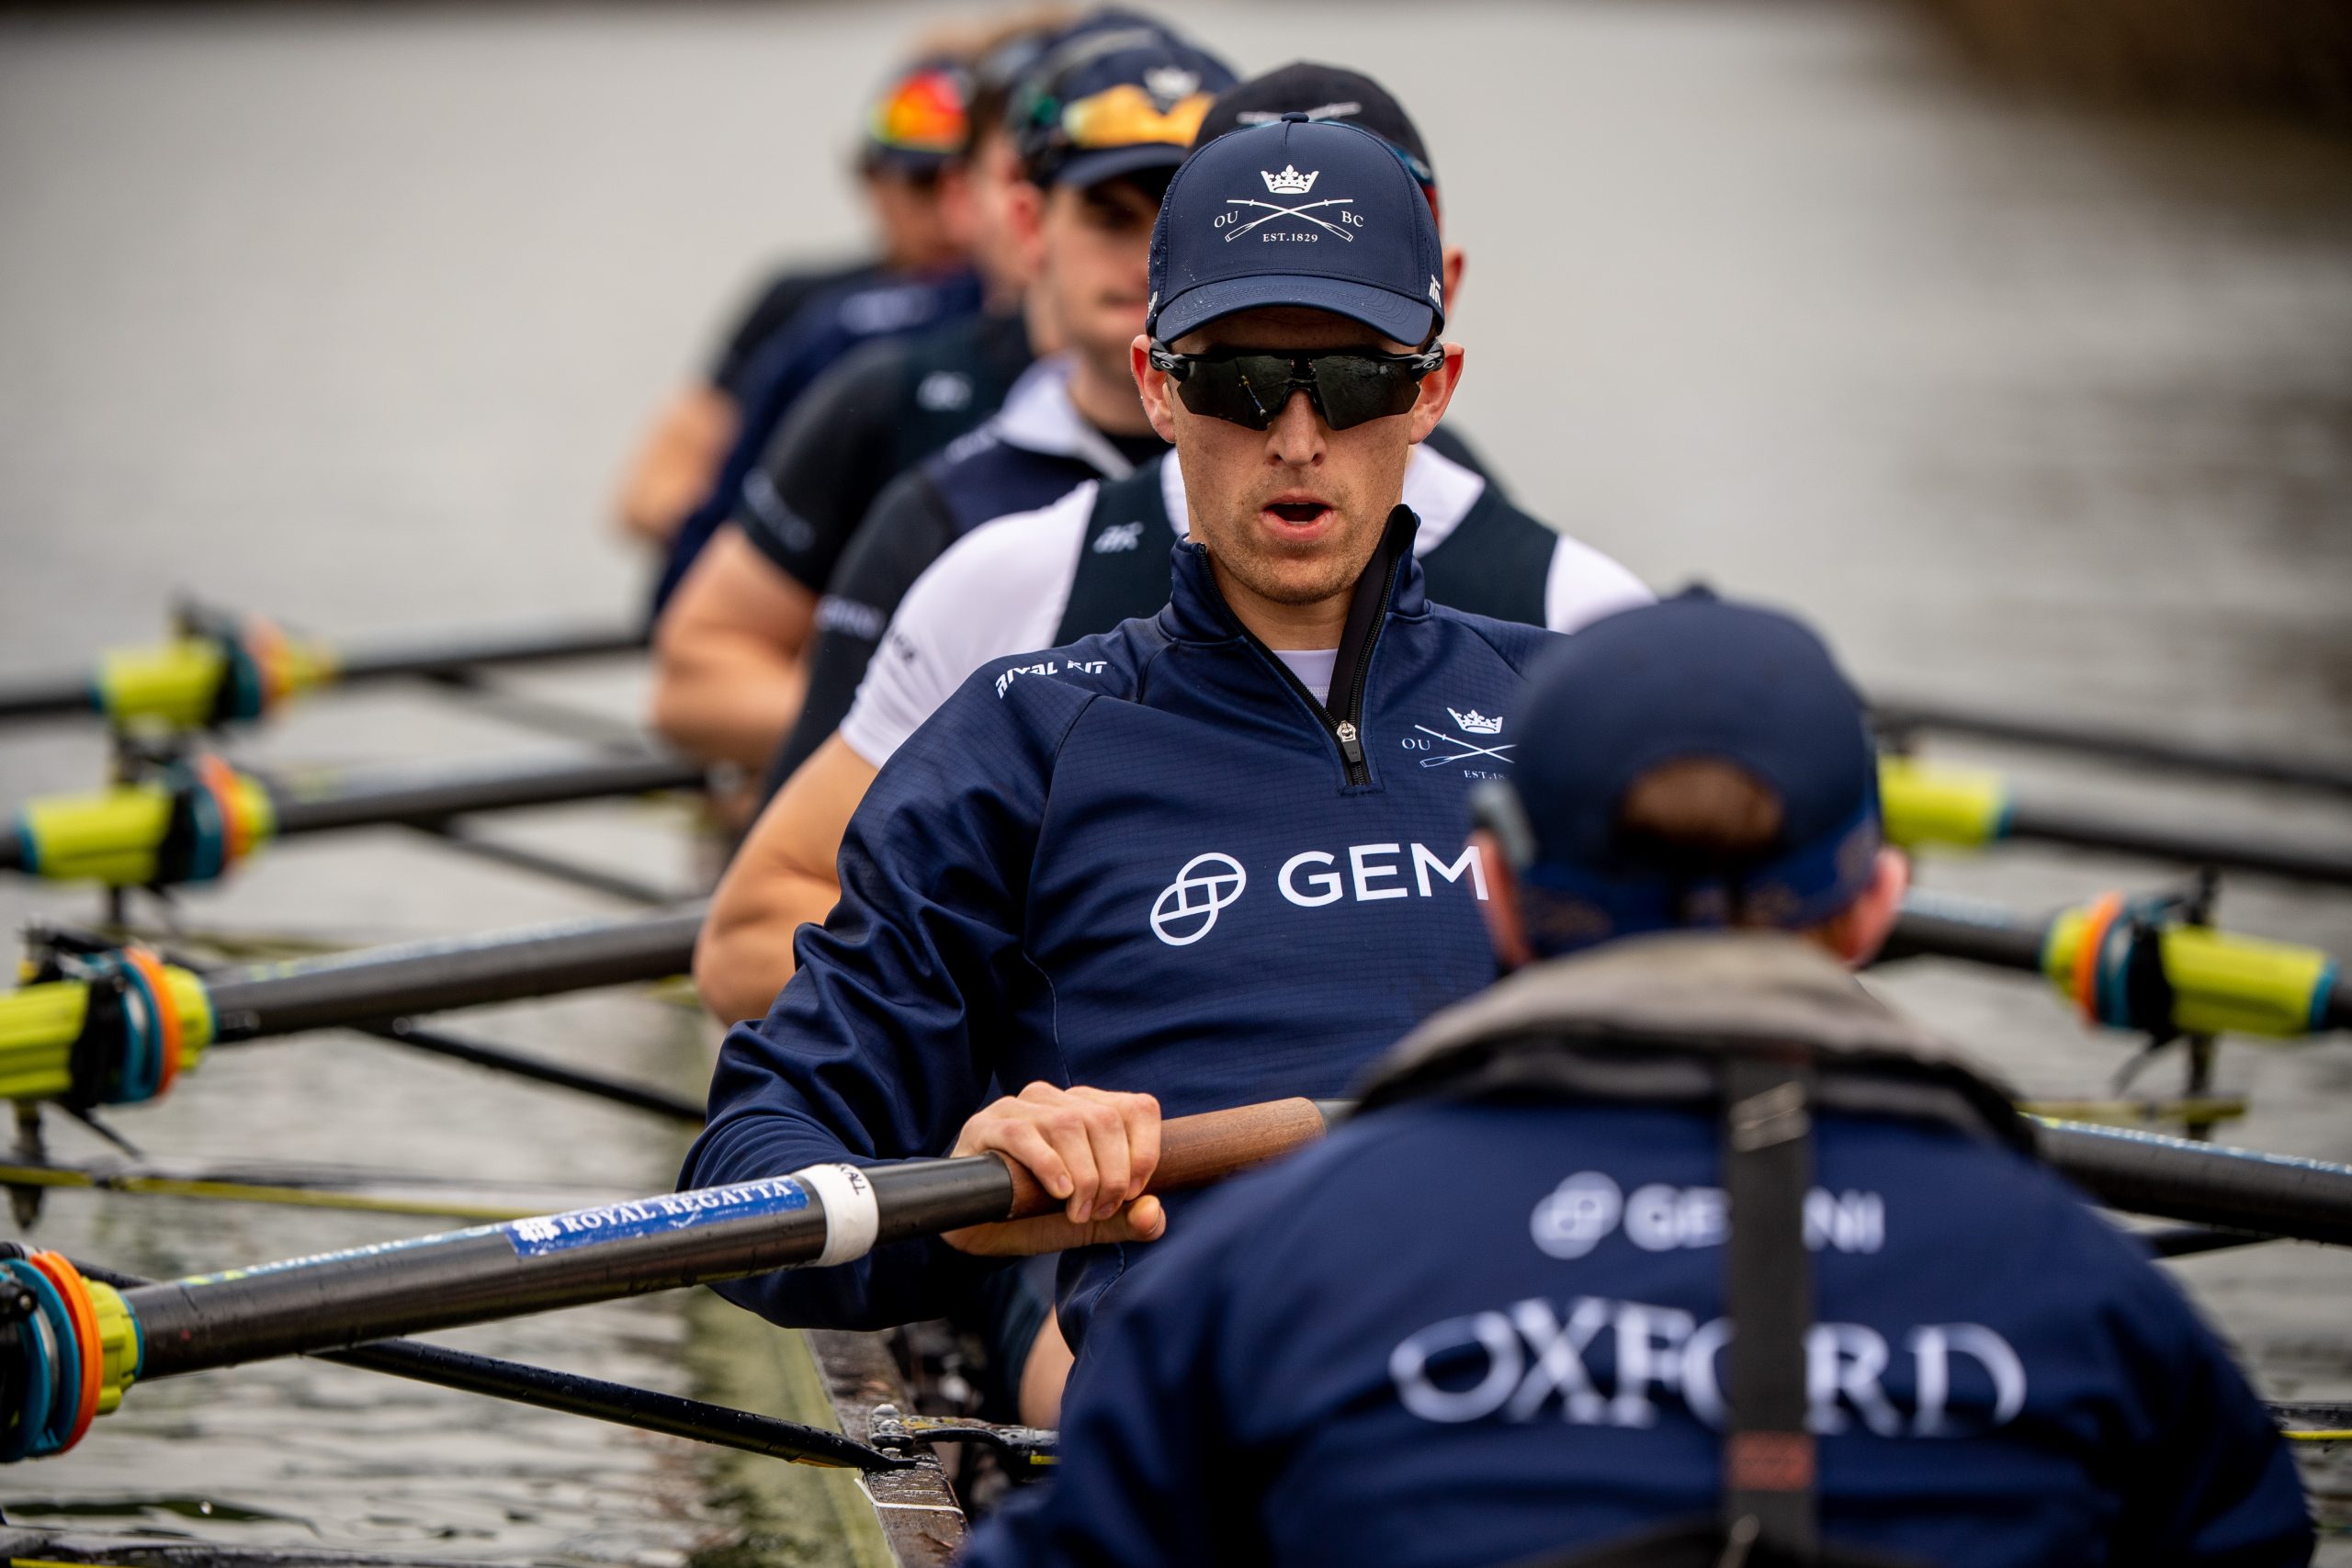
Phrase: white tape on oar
(852, 1217)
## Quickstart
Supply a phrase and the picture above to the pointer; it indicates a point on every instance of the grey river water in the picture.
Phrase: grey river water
(351, 314)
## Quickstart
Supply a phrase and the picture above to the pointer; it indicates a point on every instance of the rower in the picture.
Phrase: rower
(1491, 1320)
(912, 128)
(1076, 568)
(1063, 899)
(1113, 109)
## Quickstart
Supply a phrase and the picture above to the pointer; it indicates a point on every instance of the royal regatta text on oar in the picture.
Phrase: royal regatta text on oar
(95, 1341)
(222, 669)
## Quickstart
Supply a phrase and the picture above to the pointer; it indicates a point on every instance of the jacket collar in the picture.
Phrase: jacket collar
(1196, 610)
(1640, 1011)
(1038, 416)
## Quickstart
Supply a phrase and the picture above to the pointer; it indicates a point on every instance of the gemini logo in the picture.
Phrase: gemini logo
(1186, 909)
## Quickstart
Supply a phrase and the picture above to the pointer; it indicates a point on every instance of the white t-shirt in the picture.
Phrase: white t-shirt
(1002, 589)
(1313, 666)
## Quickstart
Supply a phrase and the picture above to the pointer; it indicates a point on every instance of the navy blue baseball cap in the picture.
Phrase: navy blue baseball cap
(1116, 100)
(1303, 212)
(1692, 678)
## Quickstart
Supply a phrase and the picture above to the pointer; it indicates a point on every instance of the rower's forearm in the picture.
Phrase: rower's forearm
(744, 955)
(729, 703)
(678, 463)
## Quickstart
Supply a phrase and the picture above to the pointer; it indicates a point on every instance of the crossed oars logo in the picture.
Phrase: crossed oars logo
(1304, 212)
(1467, 750)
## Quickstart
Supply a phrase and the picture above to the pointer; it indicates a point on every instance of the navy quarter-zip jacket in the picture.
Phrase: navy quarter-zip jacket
(1148, 861)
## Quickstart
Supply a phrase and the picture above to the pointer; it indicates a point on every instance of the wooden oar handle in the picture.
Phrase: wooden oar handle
(1195, 1151)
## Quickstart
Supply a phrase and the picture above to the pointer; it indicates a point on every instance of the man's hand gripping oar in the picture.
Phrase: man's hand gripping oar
(75, 1345)
(1093, 1150)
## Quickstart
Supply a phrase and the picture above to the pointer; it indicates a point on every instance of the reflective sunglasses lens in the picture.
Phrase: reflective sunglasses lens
(1246, 390)
(1250, 390)
(1354, 390)
(1265, 381)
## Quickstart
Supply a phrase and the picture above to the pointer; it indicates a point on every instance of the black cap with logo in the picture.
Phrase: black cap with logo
(1300, 212)
(1321, 92)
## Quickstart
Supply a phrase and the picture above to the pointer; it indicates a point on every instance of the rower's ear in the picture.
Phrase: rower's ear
(1857, 934)
(1505, 925)
(1025, 224)
(1157, 389)
(1437, 391)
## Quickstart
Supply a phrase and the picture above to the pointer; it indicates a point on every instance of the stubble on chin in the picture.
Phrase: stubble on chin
(1286, 578)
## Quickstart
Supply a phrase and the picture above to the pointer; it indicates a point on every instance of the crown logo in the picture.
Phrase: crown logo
(1475, 723)
(1290, 182)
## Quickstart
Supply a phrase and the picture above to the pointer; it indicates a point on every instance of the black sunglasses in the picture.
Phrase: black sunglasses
(1248, 387)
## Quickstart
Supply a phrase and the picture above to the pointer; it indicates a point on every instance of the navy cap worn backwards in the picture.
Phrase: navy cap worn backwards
(1690, 678)
(1300, 212)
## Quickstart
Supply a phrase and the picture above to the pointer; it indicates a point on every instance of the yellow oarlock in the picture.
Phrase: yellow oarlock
(2222, 982)
(112, 837)
(40, 1024)
(1923, 803)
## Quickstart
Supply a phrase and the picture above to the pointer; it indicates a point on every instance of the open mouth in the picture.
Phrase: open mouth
(1300, 512)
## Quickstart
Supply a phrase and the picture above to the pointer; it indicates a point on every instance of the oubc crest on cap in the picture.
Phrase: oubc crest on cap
(1299, 212)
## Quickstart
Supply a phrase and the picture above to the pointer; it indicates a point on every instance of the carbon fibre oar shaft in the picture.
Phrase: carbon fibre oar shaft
(417, 795)
(194, 821)
(1934, 926)
(440, 1043)
(2204, 1184)
(1896, 717)
(264, 999)
(1928, 805)
(426, 655)
(596, 1398)
(830, 1215)
(176, 683)
(833, 1214)
(109, 1037)
(2042, 824)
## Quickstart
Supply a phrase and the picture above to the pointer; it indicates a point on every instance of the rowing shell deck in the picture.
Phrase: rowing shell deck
(922, 1522)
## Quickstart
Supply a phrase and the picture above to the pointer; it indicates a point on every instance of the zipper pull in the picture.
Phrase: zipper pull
(1348, 746)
